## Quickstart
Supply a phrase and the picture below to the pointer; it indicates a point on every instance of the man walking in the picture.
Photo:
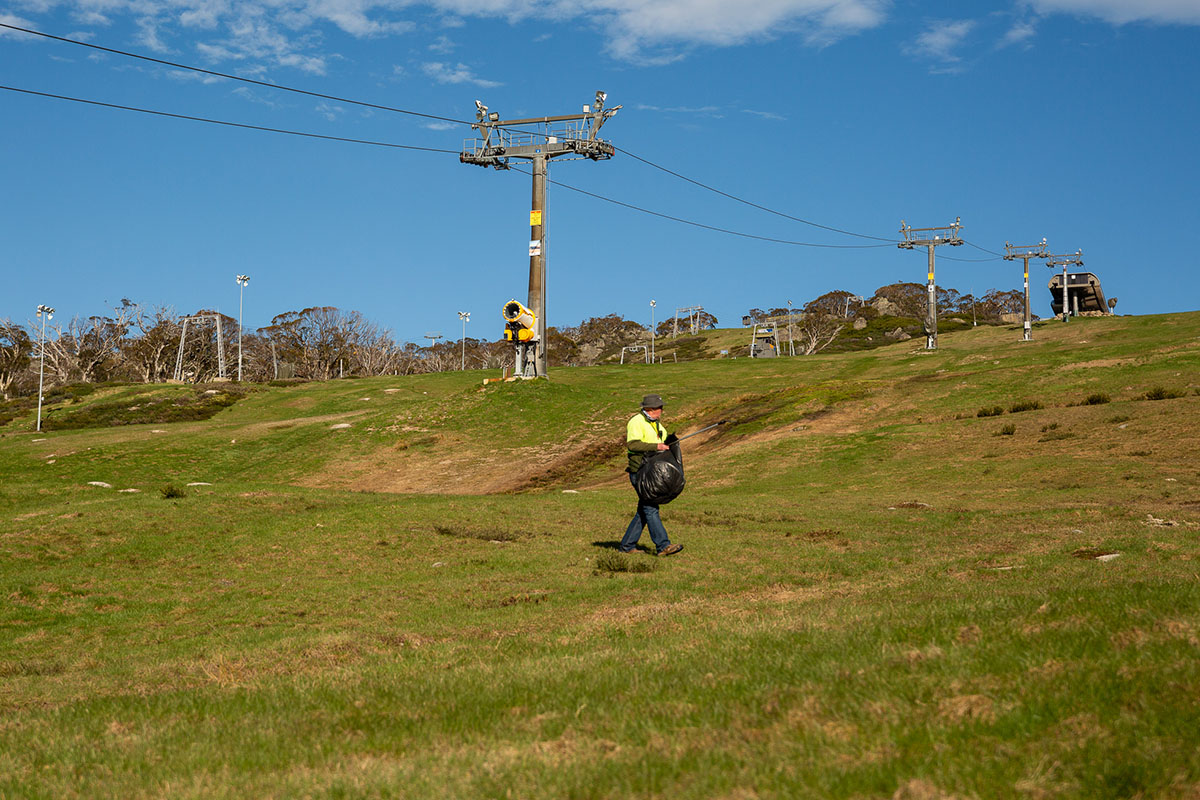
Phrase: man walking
(645, 435)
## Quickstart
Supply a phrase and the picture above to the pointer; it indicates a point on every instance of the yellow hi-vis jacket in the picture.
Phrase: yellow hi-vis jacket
(642, 436)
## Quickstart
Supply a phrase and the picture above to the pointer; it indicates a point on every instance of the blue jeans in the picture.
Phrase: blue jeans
(646, 516)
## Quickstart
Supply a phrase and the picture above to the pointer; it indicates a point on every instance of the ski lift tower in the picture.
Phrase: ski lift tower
(1011, 253)
(1067, 260)
(930, 238)
(538, 140)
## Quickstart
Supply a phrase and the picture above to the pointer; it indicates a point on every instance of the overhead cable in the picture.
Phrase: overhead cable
(214, 73)
(225, 122)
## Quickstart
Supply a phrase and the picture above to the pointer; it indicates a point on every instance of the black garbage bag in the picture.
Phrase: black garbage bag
(660, 479)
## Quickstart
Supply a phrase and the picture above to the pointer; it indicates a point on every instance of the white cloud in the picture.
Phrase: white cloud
(638, 25)
(1019, 34)
(441, 126)
(329, 111)
(20, 22)
(771, 115)
(1120, 12)
(442, 45)
(288, 32)
(455, 73)
(941, 40)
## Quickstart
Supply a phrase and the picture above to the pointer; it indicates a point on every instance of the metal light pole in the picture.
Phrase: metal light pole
(652, 305)
(44, 313)
(465, 316)
(242, 280)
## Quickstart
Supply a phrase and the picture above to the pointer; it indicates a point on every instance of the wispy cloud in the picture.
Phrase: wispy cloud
(707, 110)
(1120, 12)
(442, 45)
(441, 126)
(655, 29)
(765, 114)
(329, 111)
(20, 22)
(455, 73)
(251, 96)
(939, 42)
(1019, 34)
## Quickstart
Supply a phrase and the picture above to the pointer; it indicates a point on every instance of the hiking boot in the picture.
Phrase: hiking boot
(670, 550)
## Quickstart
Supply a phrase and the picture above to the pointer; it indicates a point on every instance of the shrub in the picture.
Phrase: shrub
(1162, 393)
(172, 492)
(1007, 430)
(994, 411)
(1097, 399)
(1118, 419)
(1054, 436)
(1051, 427)
(1024, 405)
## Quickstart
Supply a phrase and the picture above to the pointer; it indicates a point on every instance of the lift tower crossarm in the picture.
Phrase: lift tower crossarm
(1025, 252)
(930, 238)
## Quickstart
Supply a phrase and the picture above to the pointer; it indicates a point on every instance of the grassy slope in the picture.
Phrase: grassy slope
(880, 595)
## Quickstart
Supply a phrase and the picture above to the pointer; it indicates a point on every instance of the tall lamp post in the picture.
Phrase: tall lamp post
(465, 316)
(652, 305)
(242, 280)
(44, 313)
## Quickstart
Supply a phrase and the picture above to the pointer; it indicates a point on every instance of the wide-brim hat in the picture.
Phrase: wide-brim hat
(652, 401)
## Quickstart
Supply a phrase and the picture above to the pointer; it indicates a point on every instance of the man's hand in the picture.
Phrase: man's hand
(662, 447)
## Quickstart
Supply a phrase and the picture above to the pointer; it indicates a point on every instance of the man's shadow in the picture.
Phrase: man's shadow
(617, 546)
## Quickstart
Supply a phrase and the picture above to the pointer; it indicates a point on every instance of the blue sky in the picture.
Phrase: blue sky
(1070, 119)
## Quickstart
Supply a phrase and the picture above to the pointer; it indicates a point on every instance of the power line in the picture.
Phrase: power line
(214, 73)
(440, 118)
(226, 122)
(714, 228)
(594, 195)
(409, 112)
(750, 203)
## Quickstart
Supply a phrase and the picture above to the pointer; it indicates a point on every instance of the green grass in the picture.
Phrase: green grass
(878, 597)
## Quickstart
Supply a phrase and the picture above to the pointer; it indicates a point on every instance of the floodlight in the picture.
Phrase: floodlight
(587, 109)
(494, 116)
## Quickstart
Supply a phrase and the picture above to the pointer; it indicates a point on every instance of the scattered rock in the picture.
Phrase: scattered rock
(1108, 556)
(199, 483)
(128, 491)
(212, 391)
(859, 324)
(340, 426)
(364, 399)
(390, 391)
(37, 440)
(1160, 523)
(51, 461)
(1123, 425)
(910, 504)
(157, 431)
(101, 484)
(439, 563)
(1093, 553)
(570, 491)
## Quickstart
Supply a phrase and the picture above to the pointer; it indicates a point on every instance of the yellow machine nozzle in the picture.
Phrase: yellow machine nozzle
(516, 314)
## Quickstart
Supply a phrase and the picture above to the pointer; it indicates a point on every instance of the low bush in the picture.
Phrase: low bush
(1097, 399)
(1024, 405)
(172, 492)
(1163, 393)
(994, 411)
(1007, 430)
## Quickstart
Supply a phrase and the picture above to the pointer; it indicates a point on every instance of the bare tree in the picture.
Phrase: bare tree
(818, 325)
(16, 348)
(151, 355)
(87, 348)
